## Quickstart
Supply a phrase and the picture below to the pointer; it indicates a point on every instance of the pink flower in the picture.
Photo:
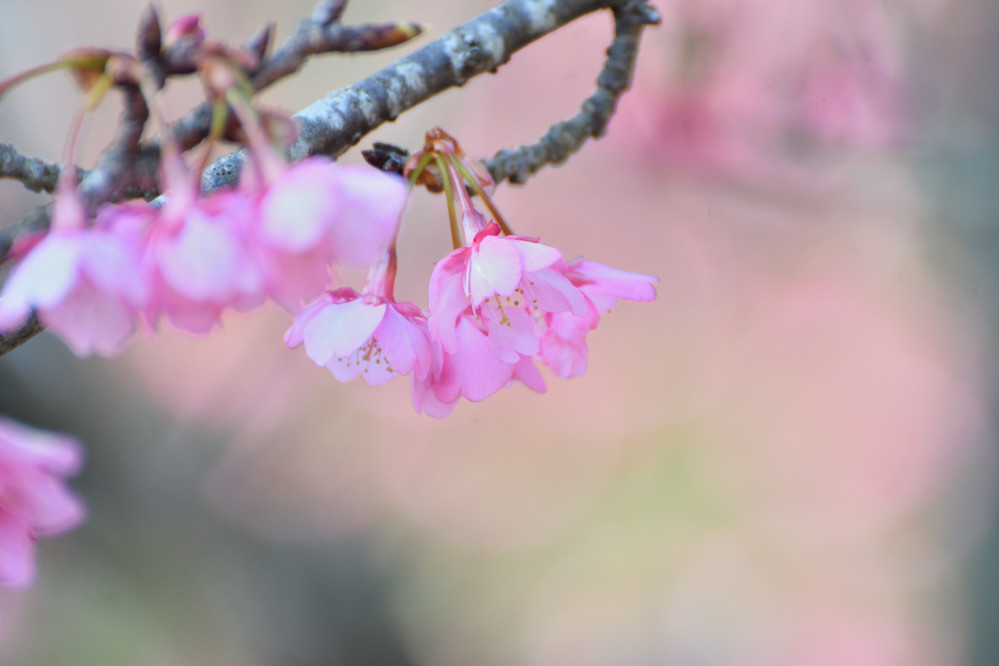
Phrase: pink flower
(472, 372)
(510, 282)
(367, 334)
(351, 335)
(34, 501)
(83, 282)
(563, 344)
(315, 212)
(196, 259)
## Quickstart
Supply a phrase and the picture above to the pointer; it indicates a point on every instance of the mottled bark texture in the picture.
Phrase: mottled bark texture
(333, 124)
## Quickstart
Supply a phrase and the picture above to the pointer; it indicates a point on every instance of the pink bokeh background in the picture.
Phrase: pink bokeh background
(779, 461)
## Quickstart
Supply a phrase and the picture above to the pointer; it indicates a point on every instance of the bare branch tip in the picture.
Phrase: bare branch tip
(260, 41)
(149, 40)
(328, 12)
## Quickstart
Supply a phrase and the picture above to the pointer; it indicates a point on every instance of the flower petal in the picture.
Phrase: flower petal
(339, 329)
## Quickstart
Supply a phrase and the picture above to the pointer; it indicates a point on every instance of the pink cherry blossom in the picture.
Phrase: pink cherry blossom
(196, 260)
(315, 212)
(472, 372)
(370, 336)
(34, 501)
(563, 344)
(83, 282)
(511, 282)
(367, 334)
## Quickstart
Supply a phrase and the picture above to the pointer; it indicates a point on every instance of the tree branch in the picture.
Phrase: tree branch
(338, 121)
(566, 137)
(28, 330)
(35, 174)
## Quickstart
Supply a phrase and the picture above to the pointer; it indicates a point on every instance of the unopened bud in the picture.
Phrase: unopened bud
(375, 37)
(260, 41)
(328, 11)
(149, 40)
(187, 28)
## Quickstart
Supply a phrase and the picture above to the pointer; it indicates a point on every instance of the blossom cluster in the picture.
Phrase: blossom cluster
(95, 277)
(93, 282)
(498, 303)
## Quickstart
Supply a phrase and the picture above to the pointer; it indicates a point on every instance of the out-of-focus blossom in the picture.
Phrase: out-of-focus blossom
(82, 281)
(34, 500)
(316, 212)
(747, 90)
(197, 262)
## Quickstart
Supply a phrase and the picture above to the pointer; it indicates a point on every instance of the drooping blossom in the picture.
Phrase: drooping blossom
(315, 212)
(499, 303)
(509, 282)
(34, 500)
(82, 281)
(196, 259)
(368, 334)
(473, 371)
(563, 344)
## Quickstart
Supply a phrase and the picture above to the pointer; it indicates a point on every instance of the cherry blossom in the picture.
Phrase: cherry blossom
(510, 282)
(196, 260)
(315, 212)
(34, 500)
(367, 334)
(500, 301)
(563, 344)
(472, 372)
(81, 281)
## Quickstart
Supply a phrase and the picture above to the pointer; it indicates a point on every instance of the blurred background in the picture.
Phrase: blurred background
(788, 458)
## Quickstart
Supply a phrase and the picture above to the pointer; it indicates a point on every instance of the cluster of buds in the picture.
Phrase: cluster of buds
(498, 303)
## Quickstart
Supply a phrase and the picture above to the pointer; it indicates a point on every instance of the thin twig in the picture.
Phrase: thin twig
(35, 174)
(28, 330)
(338, 121)
(567, 137)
